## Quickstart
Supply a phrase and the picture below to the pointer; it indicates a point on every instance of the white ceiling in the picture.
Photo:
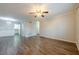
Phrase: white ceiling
(20, 11)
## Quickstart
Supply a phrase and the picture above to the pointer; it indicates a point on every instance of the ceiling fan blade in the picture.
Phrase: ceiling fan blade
(45, 12)
(35, 16)
(42, 15)
(31, 12)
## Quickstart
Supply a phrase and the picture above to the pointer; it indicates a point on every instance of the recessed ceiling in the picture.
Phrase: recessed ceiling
(20, 10)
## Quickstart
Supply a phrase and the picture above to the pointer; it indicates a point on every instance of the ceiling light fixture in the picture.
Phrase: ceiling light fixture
(39, 11)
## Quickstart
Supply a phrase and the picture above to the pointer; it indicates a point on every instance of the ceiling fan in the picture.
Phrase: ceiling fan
(38, 13)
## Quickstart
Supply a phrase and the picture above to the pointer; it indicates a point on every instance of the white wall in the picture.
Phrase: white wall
(61, 27)
(28, 29)
(77, 28)
(6, 29)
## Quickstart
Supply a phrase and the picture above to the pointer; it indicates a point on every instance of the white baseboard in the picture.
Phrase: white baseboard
(57, 38)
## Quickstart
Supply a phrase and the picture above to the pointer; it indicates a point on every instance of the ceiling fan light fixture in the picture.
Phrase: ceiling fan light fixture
(38, 11)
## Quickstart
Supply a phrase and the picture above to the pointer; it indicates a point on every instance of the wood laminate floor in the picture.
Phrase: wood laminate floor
(9, 45)
(46, 46)
(35, 46)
